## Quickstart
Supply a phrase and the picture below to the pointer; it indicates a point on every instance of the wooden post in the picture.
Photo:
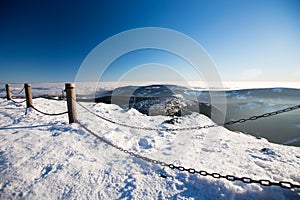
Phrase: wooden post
(71, 102)
(28, 94)
(8, 94)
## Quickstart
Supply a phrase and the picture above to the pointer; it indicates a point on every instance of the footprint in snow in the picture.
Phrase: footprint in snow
(49, 168)
(146, 143)
(55, 134)
(130, 186)
(46, 170)
(269, 152)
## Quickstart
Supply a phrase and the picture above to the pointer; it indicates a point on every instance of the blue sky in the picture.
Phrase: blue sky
(46, 41)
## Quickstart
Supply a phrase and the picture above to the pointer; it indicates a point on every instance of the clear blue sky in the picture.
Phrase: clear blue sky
(46, 41)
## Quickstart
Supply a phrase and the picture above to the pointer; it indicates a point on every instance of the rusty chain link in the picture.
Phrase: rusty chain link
(246, 180)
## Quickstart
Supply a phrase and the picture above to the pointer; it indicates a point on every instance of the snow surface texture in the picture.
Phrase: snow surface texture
(44, 157)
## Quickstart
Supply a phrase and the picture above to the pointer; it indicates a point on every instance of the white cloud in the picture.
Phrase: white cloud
(250, 74)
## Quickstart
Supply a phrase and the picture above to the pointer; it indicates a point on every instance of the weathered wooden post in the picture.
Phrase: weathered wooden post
(28, 94)
(71, 102)
(8, 94)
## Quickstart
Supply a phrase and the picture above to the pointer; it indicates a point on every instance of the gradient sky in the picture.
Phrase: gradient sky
(46, 41)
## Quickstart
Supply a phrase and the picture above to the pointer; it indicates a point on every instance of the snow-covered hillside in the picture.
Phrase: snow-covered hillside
(44, 157)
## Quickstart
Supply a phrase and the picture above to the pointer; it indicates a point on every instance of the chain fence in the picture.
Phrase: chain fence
(49, 114)
(33, 107)
(17, 93)
(252, 118)
(265, 115)
(246, 180)
(18, 102)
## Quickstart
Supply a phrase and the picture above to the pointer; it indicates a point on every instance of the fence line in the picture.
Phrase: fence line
(9, 94)
(17, 93)
(18, 102)
(49, 114)
(28, 100)
(30, 103)
(72, 111)
(71, 104)
(246, 180)
(252, 118)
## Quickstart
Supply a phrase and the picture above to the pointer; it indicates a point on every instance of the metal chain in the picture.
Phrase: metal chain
(18, 102)
(288, 109)
(246, 180)
(146, 128)
(17, 93)
(50, 114)
(195, 127)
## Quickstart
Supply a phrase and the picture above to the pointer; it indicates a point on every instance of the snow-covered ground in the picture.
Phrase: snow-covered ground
(44, 157)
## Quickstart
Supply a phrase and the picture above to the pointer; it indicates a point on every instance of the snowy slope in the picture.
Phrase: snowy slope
(43, 157)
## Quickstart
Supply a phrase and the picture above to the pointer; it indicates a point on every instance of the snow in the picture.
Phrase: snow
(44, 157)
